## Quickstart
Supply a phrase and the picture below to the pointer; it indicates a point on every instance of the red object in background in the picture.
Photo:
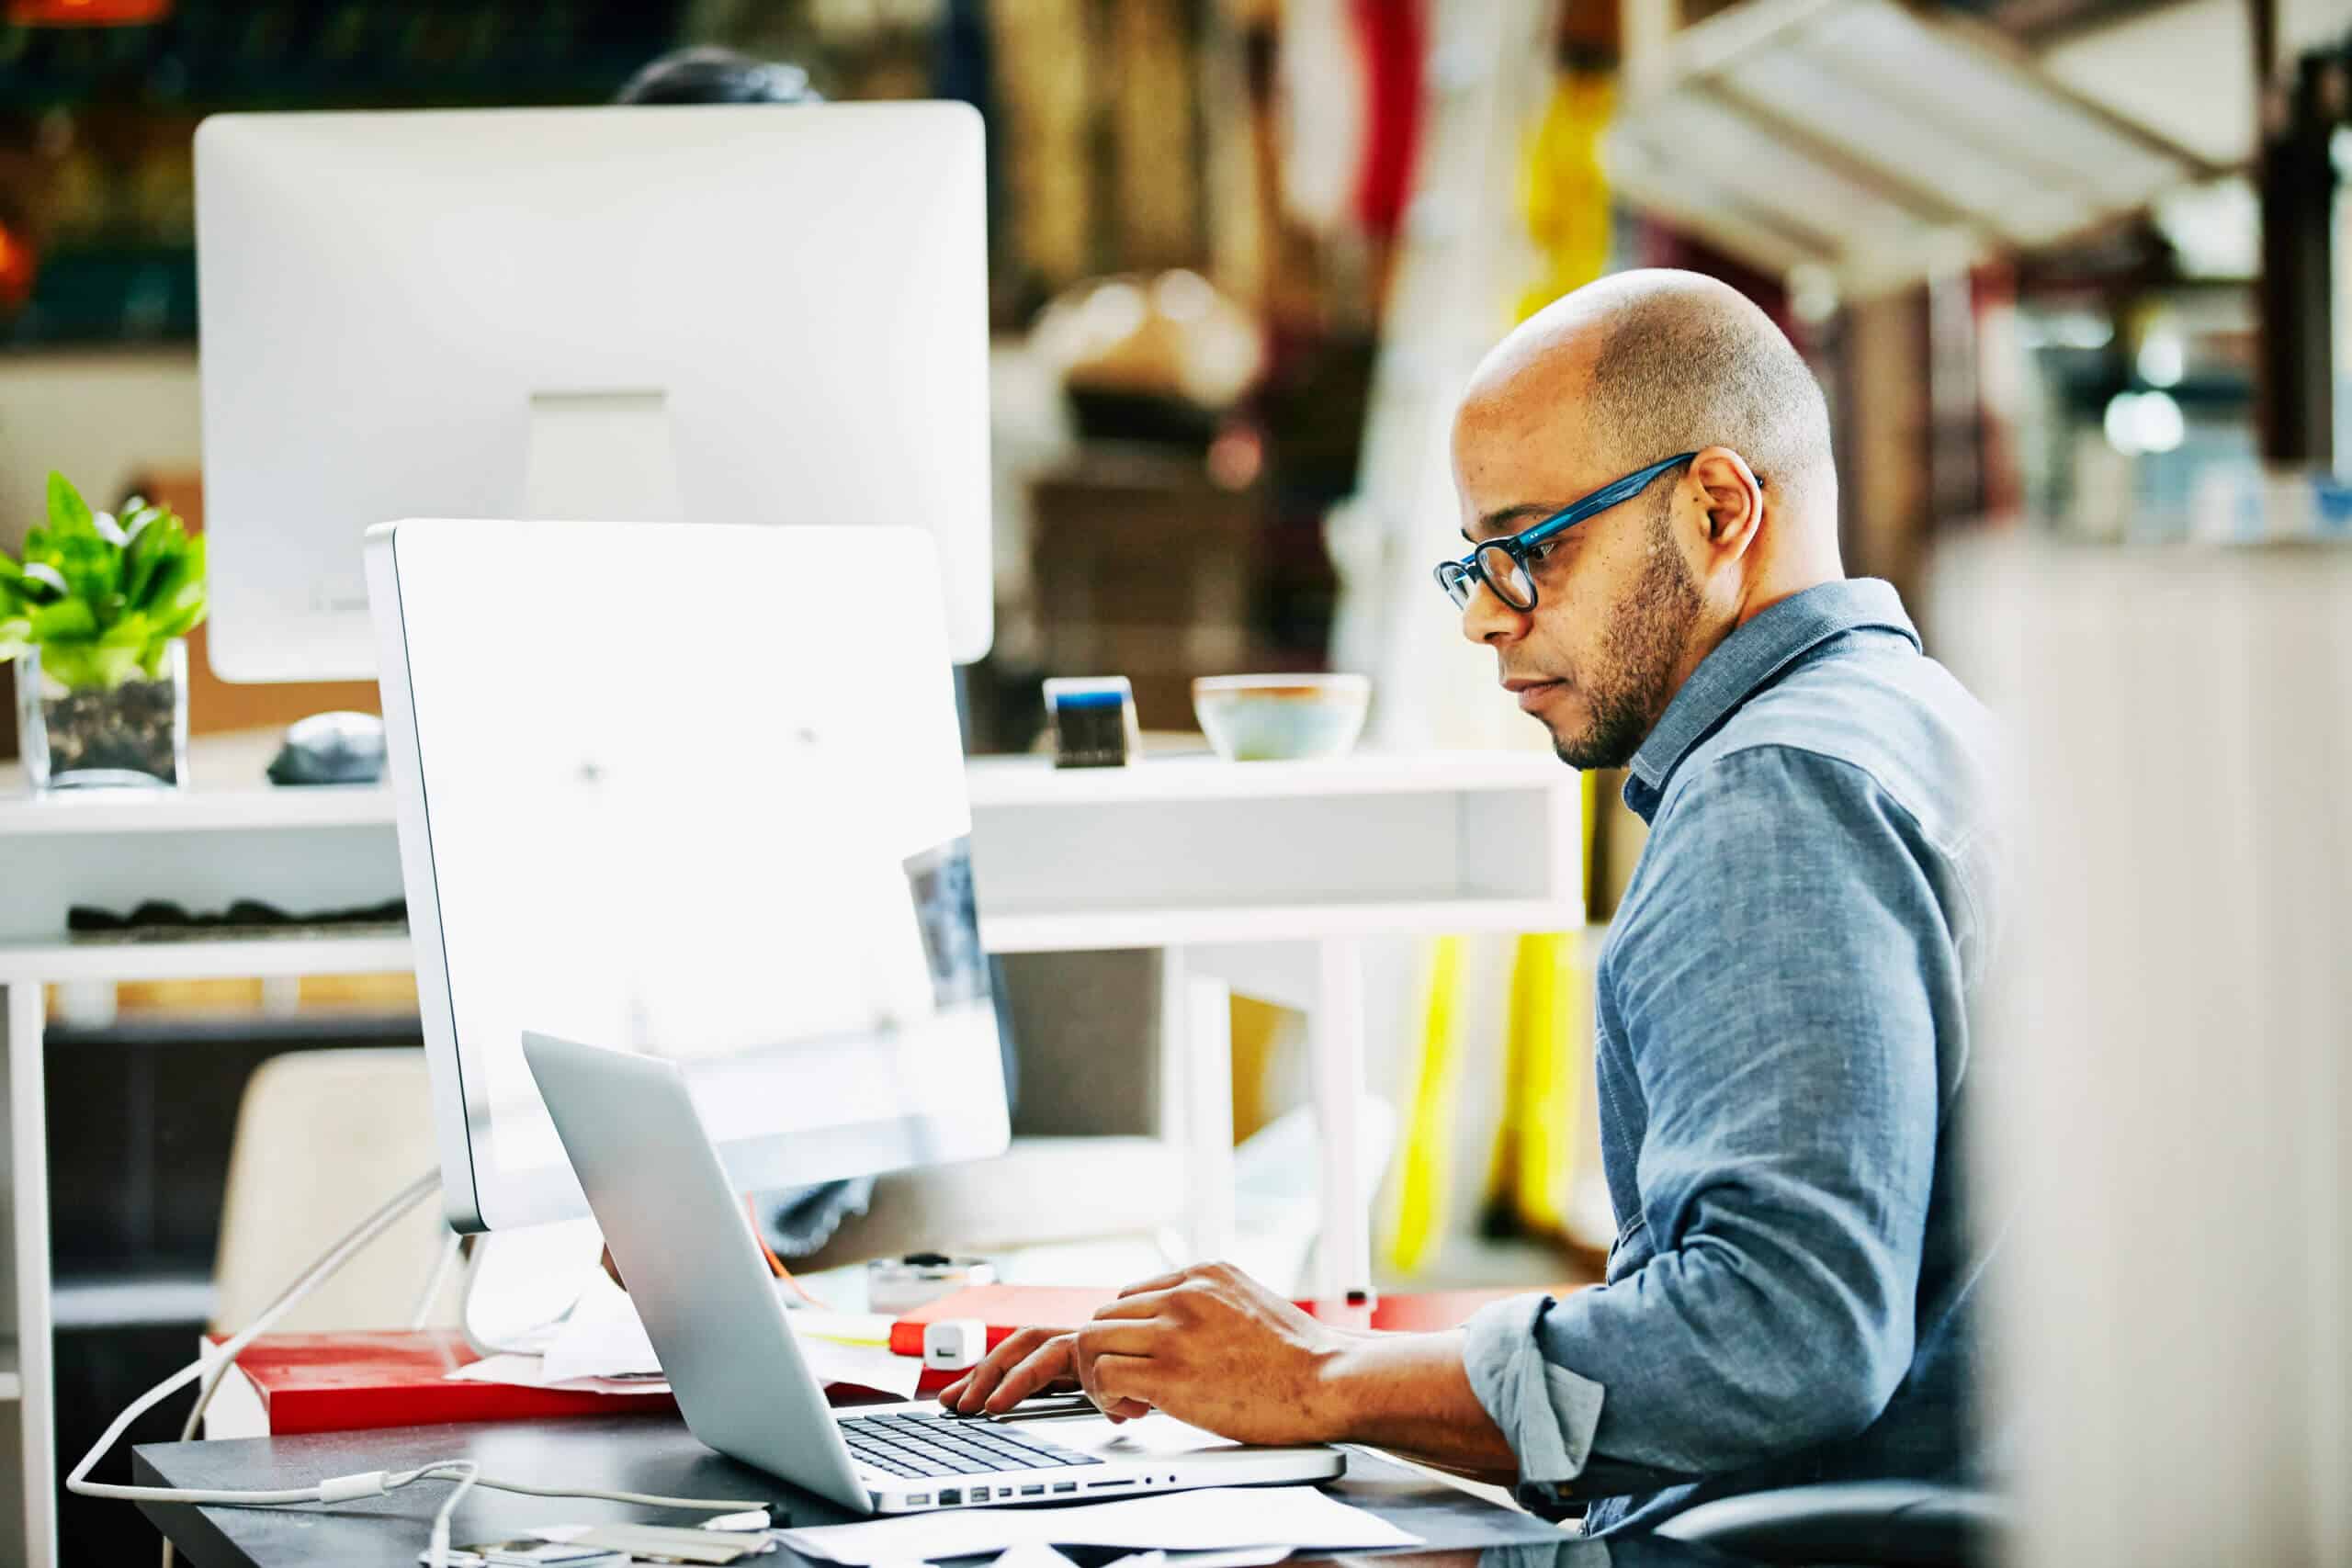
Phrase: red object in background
(88, 12)
(17, 265)
(357, 1381)
(1395, 37)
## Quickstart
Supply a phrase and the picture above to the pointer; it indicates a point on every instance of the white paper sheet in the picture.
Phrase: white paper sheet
(605, 1339)
(1238, 1557)
(1029, 1554)
(531, 1371)
(1219, 1518)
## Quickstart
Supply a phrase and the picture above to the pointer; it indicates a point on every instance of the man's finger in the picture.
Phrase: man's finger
(1156, 1282)
(1049, 1364)
(1117, 1380)
(948, 1396)
(1119, 1337)
(1148, 1304)
(982, 1381)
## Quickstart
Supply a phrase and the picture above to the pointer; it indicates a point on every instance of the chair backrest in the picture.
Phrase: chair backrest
(323, 1138)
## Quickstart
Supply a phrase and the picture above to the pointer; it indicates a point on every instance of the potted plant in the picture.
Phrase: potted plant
(96, 614)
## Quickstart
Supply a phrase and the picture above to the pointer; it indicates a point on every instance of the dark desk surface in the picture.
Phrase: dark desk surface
(627, 1453)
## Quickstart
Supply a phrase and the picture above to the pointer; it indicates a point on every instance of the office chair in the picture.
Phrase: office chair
(1886, 1524)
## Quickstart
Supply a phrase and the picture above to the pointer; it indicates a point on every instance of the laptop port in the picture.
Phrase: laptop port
(1032, 1491)
(1099, 1485)
(919, 1500)
(980, 1494)
(950, 1497)
(1065, 1486)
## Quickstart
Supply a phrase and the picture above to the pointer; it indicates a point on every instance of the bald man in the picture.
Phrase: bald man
(1649, 507)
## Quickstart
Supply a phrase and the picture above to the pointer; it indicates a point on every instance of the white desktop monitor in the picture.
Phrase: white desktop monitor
(724, 314)
(686, 790)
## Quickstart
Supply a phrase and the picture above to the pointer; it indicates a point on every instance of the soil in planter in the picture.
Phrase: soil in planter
(128, 729)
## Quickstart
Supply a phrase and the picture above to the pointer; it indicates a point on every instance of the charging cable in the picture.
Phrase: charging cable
(337, 1488)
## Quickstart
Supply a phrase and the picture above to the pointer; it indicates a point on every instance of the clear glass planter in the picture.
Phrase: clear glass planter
(132, 733)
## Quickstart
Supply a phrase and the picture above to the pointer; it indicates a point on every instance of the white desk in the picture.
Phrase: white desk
(1262, 877)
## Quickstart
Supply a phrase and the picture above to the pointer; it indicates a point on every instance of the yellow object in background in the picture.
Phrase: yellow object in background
(1545, 1062)
(1564, 190)
(1424, 1181)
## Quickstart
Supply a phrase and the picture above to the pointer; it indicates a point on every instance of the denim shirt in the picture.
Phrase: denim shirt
(1784, 1059)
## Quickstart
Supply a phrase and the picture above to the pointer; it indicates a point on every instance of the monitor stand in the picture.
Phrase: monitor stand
(608, 457)
(520, 1283)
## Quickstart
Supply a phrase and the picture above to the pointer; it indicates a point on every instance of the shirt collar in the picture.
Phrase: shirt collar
(1748, 659)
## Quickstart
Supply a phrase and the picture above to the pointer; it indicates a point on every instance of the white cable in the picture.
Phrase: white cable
(358, 1237)
(339, 1488)
(78, 1482)
(441, 1266)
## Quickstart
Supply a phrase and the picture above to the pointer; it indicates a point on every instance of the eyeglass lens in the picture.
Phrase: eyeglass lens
(1507, 577)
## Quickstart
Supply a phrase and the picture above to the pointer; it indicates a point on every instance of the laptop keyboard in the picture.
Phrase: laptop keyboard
(915, 1445)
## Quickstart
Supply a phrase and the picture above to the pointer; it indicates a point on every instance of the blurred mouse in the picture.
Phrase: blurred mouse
(331, 749)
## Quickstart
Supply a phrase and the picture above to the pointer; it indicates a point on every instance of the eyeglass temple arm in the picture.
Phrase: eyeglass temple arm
(1601, 499)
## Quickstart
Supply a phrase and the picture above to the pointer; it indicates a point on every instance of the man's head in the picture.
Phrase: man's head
(1605, 381)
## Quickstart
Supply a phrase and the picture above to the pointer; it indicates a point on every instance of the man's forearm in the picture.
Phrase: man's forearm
(1410, 1393)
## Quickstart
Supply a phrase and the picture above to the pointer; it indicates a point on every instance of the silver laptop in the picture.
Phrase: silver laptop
(678, 1231)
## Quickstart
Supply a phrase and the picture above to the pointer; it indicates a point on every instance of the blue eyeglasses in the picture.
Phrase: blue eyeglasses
(1503, 564)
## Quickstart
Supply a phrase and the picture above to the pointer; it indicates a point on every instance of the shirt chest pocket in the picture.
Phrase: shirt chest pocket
(1629, 1251)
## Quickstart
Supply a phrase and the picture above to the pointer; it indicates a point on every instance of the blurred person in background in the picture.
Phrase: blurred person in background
(1782, 1011)
(708, 74)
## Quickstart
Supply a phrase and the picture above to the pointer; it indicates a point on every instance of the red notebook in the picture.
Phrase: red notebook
(1007, 1308)
(349, 1381)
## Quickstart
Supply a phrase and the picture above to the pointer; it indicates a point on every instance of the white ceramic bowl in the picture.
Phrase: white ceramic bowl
(1266, 718)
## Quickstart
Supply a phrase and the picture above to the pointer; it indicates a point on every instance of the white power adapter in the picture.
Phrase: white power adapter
(954, 1343)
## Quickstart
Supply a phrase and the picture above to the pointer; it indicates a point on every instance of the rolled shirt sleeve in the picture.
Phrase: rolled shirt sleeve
(1770, 980)
(1546, 1412)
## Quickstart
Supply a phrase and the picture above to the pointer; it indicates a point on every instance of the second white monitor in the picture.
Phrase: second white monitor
(742, 314)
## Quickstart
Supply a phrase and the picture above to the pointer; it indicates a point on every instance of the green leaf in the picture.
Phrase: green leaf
(9, 570)
(134, 630)
(83, 665)
(68, 620)
(91, 567)
(158, 541)
(68, 513)
(177, 602)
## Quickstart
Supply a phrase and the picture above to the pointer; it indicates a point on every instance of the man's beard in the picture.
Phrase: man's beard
(1633, 682)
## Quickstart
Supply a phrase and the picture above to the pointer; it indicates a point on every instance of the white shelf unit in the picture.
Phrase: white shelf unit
(1258, 878)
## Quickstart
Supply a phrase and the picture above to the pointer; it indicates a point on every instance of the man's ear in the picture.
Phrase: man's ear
(1734, 500)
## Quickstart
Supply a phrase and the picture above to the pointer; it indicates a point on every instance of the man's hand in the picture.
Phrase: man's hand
(1213, 1348)
(1029, 1362)
(1209, 1345)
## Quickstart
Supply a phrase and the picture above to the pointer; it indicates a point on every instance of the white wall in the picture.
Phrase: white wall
(98, 417)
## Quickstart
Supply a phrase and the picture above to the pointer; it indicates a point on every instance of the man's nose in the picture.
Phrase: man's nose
(1487, 619)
